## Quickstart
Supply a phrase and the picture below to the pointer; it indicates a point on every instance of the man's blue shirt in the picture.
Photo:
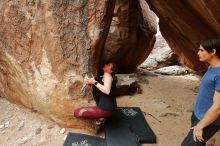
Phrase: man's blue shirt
(210, 84)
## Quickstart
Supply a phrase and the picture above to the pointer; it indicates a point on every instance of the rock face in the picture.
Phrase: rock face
(132, 30)
(185, 23)
(46, 47)
(172, 70)
(160, 56)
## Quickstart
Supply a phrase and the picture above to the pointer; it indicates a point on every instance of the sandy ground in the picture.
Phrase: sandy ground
(168, 98)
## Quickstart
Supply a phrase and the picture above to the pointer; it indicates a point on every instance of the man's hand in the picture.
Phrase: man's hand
(210, 116)
(197, 133)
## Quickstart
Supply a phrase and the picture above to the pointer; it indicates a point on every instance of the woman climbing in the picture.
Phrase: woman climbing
(104, 96)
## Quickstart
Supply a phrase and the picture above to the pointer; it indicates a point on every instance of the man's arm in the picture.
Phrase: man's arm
(211, 115)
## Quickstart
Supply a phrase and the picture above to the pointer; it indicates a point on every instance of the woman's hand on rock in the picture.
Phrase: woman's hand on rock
(89, 80)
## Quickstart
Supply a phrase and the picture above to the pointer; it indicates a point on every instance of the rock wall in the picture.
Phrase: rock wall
(185, 23)
(132, 30)
(46, 47)
(160, 56)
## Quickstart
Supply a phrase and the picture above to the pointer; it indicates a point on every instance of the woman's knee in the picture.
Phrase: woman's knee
(76, 112)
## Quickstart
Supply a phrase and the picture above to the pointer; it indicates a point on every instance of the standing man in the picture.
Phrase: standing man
(205, 120)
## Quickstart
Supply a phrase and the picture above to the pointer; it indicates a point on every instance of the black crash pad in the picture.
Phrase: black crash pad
(120, 135)
(128, 120)
(76, 139)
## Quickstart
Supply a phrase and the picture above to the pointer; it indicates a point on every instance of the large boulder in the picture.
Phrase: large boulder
(132, 34)
(185, 23)
(160, 56)
(46, 47)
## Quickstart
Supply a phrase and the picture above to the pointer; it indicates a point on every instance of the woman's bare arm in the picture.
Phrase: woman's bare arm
(106, 88)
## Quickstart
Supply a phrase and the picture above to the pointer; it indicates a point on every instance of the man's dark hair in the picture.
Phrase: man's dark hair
(211, 44)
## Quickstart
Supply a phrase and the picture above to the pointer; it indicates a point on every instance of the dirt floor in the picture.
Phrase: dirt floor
(169, 99)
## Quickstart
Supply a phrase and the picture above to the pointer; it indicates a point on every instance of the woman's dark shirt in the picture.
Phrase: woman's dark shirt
(104, 101)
